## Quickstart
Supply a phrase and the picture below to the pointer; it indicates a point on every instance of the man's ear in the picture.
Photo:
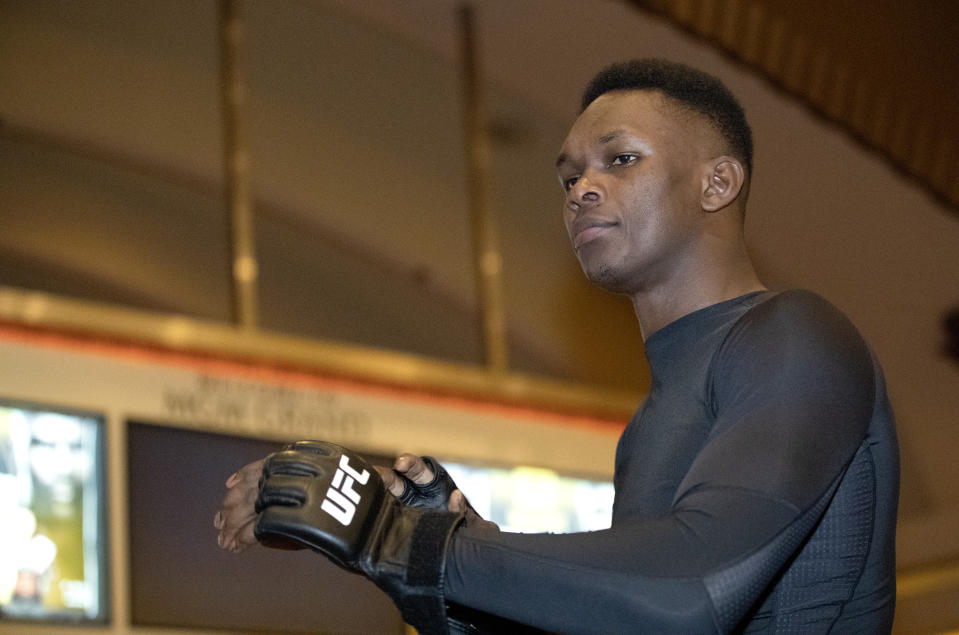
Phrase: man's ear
(722, 183)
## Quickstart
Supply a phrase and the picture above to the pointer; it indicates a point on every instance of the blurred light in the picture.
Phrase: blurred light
(528, 499)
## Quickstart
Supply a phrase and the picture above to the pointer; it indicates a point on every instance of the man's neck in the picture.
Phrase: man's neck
(664, 304)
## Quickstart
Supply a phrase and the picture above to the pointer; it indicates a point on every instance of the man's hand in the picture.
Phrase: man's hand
(422, 482)
(328, 498)
(236, 517)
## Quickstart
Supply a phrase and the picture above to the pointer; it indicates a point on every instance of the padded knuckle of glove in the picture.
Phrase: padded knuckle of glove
(280, 490)
(291, 462)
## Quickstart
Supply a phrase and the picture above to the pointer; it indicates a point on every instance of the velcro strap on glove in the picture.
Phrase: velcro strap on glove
(424, 605)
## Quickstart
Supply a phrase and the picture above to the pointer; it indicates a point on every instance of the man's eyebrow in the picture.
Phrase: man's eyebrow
(610, 136)
(603, 139)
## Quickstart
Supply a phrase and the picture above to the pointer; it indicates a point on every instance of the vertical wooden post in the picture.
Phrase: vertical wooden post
(237, 177)
(488, 261)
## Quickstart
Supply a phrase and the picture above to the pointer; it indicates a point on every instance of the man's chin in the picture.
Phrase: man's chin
(606, 278)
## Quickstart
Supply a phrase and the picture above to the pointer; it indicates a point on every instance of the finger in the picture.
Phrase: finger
(414, 468)
(234, 522)
(239, 540)
(244, 539)
(237, 513)
(240, 495)
(457, 502)
(240, 534)
(245, 474)
(392, 480)
(234, 512)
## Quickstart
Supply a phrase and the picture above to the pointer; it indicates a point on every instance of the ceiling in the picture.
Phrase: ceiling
(884, 70)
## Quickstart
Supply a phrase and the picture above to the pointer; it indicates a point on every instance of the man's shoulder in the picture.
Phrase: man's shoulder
(797, 341)
(797, 308)
(795, 299)
(797, 323)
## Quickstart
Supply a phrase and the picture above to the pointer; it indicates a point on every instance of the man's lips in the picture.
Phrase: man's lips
(589, 233)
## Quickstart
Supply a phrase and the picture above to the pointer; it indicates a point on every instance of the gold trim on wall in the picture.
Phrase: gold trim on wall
(39, 310)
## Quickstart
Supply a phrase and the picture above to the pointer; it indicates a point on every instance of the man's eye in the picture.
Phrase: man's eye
(569, 183)
(624, 159)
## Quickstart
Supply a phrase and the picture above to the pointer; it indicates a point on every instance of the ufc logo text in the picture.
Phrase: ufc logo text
(341, 499)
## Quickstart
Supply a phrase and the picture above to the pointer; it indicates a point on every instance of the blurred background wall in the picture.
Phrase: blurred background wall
(114, 149)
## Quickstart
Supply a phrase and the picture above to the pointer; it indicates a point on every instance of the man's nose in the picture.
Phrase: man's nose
(586, 192)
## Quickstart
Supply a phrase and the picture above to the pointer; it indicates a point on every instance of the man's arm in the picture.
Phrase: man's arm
(791, 413)
(793, 399)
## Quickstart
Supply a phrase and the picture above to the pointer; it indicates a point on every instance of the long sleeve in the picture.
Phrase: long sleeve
(786, 399)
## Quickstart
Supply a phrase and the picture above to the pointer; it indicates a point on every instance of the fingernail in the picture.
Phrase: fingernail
(217, 520)
(230, 482)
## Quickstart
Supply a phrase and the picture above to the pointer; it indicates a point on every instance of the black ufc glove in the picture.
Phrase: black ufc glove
(325, 497)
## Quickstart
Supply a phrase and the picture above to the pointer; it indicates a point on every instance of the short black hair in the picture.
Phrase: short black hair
(693, 88)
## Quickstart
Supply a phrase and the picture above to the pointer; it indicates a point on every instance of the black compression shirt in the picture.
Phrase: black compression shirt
(756, 491)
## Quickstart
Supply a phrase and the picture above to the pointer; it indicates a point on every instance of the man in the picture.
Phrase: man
(756, 487)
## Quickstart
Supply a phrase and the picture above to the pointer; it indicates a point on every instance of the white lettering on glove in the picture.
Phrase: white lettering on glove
(341, 499)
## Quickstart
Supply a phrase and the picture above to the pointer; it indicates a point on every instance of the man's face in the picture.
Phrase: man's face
(632, 167)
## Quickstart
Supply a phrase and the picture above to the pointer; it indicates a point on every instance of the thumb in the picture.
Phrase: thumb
(391, 480)
(414, 468)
